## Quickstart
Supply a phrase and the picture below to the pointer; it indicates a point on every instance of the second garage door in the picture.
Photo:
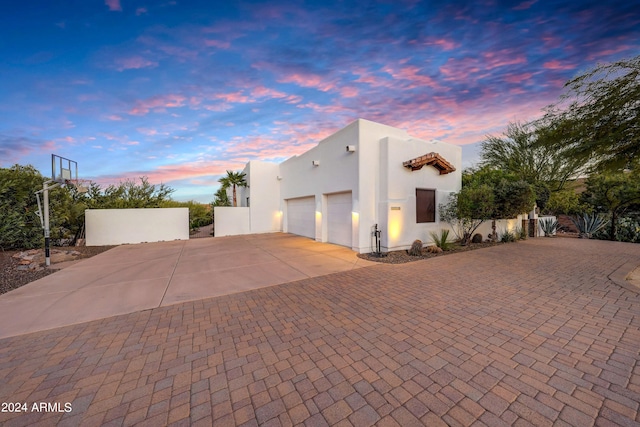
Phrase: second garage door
(301, 216)
(339, 218)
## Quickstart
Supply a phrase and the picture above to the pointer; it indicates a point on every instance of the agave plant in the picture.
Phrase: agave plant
(441, 240)
(508, 236)
(587, 225)
(549, 226)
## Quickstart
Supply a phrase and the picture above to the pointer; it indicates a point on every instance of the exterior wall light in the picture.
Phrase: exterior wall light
(316, 163)
(279, 178)
(351, 148)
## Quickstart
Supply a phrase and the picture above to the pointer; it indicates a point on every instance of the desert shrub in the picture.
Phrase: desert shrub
(521, 233)
(477, 238)
(627, 230)
(441, 240)
(508, 236)
(416, 248)
(433, 249)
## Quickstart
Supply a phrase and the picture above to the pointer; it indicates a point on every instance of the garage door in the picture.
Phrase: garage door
(301, 216)
(339, 219)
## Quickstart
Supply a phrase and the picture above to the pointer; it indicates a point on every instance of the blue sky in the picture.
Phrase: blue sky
(181, 91)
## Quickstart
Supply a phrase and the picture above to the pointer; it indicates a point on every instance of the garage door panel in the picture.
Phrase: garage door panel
(339, 229)
(301, 218)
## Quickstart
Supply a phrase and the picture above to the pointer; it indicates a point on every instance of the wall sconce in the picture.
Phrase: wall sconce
(316, 163)
(279, 178)
(351, 148)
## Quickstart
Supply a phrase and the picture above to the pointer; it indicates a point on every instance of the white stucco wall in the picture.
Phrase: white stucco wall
(337, 172)
(513, 225)
(230, 221)
(120, 226)
(502, 225)
(397, 205)
(373, 176)
(263, 191)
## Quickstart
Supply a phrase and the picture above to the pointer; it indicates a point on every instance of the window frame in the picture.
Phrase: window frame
(427, 217)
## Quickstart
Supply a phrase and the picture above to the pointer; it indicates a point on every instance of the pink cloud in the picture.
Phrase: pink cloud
(265, 92)
(308, 80)
(157, 103)
(262, 91)
(349, 92)
(233, 97)
(471, 67)
(518, 78)
(445, 44)
(604, 52)
(502, 58)
(557, 65)
(411, 73)
(113, 5)
(217, 43)
(182, 53)
(176, 172)
(525, 5)
(365, 76)
(325, 109)
(133, 63)
(552, 41)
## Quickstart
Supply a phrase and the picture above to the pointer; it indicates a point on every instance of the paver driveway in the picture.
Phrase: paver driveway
(531, 333)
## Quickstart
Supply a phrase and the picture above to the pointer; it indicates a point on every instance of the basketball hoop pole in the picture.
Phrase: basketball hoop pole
(47, 240)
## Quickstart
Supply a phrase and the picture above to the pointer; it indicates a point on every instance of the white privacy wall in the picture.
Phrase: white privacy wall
(120, 226)
(263, 191)
(230, 221)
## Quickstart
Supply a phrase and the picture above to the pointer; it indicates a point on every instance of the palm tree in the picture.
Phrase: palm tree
(233, 179)
(221, 198)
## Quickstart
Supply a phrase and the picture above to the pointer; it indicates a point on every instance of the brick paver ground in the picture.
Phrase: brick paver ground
(530, 333)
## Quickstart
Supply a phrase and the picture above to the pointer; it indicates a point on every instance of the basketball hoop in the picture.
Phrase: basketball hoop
(77, 184)
(63, 172)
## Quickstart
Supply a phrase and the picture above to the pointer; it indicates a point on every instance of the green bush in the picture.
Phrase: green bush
(20, 227)
(627, 230)
(564, 202)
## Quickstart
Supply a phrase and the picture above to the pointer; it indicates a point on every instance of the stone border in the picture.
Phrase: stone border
(619, 276)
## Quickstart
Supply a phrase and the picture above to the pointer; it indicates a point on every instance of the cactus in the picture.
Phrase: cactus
(416, 248)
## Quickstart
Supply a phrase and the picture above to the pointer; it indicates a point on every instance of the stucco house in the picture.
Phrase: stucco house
(365, 175)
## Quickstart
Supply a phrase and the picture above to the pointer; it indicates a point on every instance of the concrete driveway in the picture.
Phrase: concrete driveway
(131, 278)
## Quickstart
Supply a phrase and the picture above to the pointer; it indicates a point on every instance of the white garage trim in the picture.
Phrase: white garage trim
(301, 216)
(339, 229)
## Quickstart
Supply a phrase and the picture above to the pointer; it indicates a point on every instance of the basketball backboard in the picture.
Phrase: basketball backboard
(63, 170)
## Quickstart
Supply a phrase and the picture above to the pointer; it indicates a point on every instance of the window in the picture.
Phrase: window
(425, 205)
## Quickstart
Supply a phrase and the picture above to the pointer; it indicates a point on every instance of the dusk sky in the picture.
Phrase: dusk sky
(181, 91)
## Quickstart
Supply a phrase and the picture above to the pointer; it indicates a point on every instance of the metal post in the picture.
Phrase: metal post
(47, 258)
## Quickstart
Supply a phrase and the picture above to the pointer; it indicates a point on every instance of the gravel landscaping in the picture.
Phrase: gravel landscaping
(400, 257)
(11, 277)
